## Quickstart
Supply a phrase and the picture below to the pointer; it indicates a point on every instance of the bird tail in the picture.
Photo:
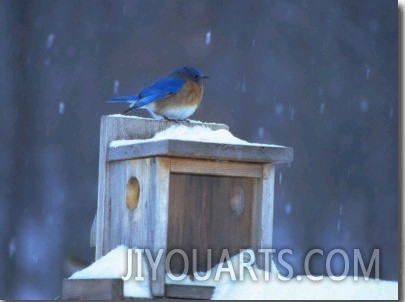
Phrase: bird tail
(131, 99)
(125, 98)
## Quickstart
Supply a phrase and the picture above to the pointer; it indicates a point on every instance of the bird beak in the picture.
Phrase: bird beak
(204, 77)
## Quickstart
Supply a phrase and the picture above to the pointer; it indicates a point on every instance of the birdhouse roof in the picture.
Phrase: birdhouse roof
(201, 143)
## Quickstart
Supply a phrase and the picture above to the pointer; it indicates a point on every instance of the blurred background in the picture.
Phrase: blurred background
(319, 76)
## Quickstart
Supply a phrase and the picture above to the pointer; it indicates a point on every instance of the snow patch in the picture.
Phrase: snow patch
(113, 266)
(195, 133)
(275, 287)
(302, 287)
(152, 119)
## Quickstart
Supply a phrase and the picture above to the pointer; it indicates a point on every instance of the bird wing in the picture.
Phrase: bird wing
(154, 92)
(158, 90)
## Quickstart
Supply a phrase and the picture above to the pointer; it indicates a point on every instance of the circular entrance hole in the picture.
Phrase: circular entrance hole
(132, 198)
(237, 203)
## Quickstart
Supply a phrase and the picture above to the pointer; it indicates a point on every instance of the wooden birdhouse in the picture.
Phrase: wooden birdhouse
(182, 194)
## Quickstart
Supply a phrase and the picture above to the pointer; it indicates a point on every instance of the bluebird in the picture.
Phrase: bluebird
(175, 97)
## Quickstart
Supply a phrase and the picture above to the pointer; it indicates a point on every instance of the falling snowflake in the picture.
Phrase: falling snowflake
(321, 110)
(243, 87)
(61, 107)
(116, 86)
(288, 208)
(49, 41)
(364, 105)
(12, 246)
(338, 224)
(208, 38)
(368, 70)
(279, 108)
(261, 132)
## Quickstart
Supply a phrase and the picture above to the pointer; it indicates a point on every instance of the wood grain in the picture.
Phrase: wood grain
(192, 195)
(218, 168)
(146, 225)
(92, 289)
(189, 292)
(121, 127)
(201, 218)
(159, 197)
(262, 218)
(203, 150)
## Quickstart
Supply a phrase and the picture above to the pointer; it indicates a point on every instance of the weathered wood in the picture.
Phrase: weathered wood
(159, 197)
(219, 168)
(121, 127)
(202, 218)
(113, 289)
(173, 194)
(93, 232)
(203, 150)
(262, 219)
(92, 289)
(146, 225)
(129, 227)
(189, 291)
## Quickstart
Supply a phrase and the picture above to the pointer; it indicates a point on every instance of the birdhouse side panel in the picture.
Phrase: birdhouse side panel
(130, 217)
(263, 210)
(209, 212)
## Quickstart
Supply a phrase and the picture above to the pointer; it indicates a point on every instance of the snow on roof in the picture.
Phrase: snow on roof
(114, 265)
(194, 133)
(153, 119)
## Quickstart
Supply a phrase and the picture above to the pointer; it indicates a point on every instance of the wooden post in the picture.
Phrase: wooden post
(262, 220)
(160, 196)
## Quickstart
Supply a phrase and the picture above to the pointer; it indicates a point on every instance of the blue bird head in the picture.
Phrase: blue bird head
(188, 73)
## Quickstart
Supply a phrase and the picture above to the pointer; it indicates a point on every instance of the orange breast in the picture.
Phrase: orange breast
(183, 104)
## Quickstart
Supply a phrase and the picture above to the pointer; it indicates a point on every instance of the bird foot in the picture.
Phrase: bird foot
(126, 111)
(171, 120)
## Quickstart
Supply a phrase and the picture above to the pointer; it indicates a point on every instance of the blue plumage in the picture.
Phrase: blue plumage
(181, 88)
